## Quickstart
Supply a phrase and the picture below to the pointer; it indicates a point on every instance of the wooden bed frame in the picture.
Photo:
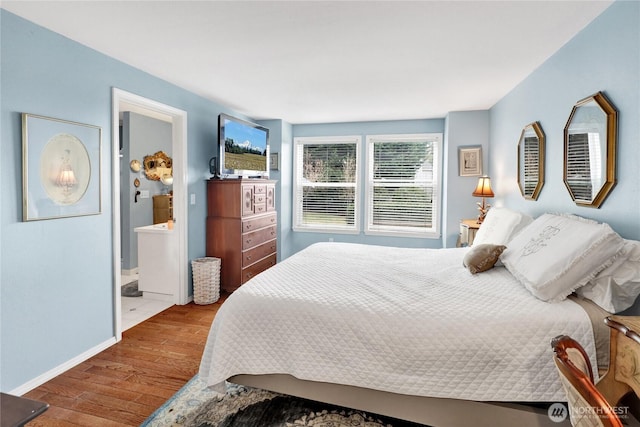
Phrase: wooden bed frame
(432, 411)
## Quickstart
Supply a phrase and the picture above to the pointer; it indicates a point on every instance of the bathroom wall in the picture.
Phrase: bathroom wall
(141, 136)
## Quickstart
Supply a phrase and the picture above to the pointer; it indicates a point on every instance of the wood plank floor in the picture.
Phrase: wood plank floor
(124, 384)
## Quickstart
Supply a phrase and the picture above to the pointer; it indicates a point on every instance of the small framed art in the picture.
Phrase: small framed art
(274, 161)
(470, 161)
(60, 168)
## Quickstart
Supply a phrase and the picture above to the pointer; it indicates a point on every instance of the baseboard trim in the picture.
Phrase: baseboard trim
(41, 379)
(131, 272)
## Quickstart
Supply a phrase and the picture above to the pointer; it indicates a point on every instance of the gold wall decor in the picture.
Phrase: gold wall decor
(157, 165)
(590, 150)
(531, 161)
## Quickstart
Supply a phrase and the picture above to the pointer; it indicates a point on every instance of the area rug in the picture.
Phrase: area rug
(196, 406)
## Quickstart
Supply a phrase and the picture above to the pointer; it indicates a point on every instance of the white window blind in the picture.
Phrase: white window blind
(402, 184)
(531, 164)
(584, 164)
(326, 184)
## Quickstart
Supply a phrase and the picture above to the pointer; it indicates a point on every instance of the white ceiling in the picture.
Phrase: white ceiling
(327, 61)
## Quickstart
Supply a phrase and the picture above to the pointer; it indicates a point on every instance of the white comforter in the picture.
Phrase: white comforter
(409, 321)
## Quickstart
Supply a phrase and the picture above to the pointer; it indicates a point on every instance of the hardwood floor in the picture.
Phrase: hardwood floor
(124, 384)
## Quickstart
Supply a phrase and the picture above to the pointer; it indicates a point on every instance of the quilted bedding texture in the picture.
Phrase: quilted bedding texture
(408, 321)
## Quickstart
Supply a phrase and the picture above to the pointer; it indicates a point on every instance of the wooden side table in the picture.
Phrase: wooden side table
(468, 230)
(17, 411)
(623, 375)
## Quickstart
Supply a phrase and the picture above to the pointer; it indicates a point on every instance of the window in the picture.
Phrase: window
(403, 184)
(326, 184)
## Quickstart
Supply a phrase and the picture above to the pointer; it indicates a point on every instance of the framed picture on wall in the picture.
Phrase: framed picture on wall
(274, 161)
(470, 160)
(60, 168)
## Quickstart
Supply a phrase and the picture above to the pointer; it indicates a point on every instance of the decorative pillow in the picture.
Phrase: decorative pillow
(556, 255)
(616, 287)
(482, 257)
(500, 226)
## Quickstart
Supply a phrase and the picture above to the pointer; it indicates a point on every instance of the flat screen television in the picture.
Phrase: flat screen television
(243, 148)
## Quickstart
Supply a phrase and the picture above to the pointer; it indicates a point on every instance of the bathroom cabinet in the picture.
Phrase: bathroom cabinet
(158, 273)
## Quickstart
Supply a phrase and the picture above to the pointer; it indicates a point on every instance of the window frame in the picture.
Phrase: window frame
(298, 144)
(434, 231)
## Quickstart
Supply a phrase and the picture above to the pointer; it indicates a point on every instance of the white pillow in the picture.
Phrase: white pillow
(616, 287)
(555, 254)
(500, 226)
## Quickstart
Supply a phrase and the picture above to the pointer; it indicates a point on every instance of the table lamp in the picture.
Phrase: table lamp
(483, 189)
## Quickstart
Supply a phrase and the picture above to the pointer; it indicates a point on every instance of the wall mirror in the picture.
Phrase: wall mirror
(590, 150)
(531, 161)
(157, 165)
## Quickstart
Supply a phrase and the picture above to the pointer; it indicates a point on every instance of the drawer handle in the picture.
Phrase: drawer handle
(248, 257)
(248, 241)
(273, 232)
(273, 220)
(249, 275)
(248, 226)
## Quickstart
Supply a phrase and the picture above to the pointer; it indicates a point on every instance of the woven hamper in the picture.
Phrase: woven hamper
(206, 280)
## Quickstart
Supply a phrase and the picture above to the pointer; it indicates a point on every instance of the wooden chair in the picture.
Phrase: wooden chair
(587, 406)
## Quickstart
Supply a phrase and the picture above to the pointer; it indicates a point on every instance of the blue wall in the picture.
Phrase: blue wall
(57, 285)
(605, 56)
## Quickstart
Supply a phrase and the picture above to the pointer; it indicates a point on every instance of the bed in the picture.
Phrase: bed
(409, 333)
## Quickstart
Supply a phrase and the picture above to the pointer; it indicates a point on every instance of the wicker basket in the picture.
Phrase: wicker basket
(206, 280)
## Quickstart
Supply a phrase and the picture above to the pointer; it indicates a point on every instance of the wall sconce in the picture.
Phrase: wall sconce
(483, 189)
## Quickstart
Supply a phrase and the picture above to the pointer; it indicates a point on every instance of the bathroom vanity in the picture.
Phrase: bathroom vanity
(158, 274)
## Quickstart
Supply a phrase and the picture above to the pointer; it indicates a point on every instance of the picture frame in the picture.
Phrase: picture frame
(274, 161)
(61, 168)
(470, 161)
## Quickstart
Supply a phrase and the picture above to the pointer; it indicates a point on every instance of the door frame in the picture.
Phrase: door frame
(126, 101)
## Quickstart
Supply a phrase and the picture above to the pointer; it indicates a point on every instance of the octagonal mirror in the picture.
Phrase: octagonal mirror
(590, 150)
(531, 161)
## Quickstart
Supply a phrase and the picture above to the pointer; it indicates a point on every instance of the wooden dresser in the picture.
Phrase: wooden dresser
(241, 228)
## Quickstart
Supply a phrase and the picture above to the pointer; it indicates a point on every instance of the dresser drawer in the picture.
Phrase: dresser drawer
(258, 267)
(256, 223)
(260, 204)
(257, 237)
(256, 254)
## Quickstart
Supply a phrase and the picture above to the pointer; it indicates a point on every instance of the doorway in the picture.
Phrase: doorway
(124, 101)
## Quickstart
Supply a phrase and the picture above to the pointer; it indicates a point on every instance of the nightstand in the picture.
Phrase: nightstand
(468, 230)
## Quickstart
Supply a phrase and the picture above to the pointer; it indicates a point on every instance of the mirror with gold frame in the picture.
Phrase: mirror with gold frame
(590, 150)
(157, 165)
(531, 148)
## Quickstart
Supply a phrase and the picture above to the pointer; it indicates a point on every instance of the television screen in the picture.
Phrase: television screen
(244, 148)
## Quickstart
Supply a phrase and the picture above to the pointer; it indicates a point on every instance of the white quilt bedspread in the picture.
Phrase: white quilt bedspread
(409, 321)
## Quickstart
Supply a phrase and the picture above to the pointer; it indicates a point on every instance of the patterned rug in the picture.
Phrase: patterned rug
(196, 406)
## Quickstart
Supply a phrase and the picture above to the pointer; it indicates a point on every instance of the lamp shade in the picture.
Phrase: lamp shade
(483, 189)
